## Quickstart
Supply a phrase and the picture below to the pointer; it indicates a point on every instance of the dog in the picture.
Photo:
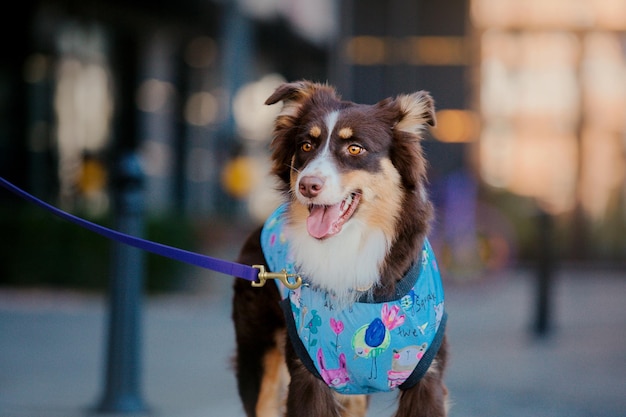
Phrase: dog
(369, 316)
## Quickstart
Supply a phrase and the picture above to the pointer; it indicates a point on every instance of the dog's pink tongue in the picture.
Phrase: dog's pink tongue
(322, 221)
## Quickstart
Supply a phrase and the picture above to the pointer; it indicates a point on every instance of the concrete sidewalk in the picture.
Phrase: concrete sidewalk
(52, 351)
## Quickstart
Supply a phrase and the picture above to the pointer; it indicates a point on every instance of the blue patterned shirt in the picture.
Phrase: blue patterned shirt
(369, 346)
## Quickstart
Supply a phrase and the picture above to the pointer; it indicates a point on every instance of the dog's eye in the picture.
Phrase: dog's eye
(306, 147)
(355, 149)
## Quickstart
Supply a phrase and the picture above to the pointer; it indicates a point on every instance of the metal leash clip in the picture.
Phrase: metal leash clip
(283, 276)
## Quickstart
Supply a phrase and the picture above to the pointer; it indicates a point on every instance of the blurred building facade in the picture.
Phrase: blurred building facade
(530, 96)
(551, 92)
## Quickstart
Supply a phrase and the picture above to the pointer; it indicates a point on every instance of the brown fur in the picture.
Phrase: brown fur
(273, 392)
(393, 182)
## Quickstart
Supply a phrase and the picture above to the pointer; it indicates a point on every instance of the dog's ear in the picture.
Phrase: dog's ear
(294, 94)
(415, 111)
(412, 113)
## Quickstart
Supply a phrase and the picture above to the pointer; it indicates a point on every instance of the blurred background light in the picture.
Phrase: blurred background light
(241, 175)
(366, 50)
(201, 109)
(253, 118)
(83, 103)
(153, 95)
(157, 158)
(438, 50)
(456, 126)
(411, 50)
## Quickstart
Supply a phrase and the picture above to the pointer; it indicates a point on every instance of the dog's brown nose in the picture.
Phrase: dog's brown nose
(310, 186)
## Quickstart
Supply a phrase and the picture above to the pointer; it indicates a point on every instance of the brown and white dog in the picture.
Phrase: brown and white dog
(357, 215)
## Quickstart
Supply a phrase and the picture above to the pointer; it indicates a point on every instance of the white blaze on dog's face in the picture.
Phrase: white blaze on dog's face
(343, 167)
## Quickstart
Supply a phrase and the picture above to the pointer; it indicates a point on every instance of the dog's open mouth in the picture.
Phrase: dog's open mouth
(326, 221)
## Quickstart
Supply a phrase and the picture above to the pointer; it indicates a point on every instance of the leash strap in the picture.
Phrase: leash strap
(192, 258)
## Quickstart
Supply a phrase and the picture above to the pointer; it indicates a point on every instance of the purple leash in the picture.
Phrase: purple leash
(251, 273)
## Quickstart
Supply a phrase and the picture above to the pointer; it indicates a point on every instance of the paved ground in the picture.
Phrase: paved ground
(52, 350)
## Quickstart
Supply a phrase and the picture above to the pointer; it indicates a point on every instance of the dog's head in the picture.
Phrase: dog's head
(346, 165)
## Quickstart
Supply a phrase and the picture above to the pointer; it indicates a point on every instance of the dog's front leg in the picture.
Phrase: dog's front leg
(429, 397)
(426, 399)
(259, 330)
(308, 396)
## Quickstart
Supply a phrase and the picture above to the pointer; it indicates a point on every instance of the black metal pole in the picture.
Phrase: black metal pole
(122, 392)
(545, 275)
(122, 386)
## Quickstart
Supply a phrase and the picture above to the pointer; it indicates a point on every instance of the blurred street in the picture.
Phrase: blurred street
(52, 347)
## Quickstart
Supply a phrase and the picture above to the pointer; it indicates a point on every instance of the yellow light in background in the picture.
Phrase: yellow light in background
(438, 50)
(91, 183)
(240, 176)
(456, 126)
(92, 177)
(366, 50)
(412, 50)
